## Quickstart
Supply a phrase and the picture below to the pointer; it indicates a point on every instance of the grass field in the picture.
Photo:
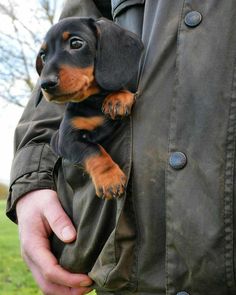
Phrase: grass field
(15, 278)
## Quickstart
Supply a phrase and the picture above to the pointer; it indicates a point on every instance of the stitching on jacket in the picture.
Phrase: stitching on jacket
(228, 187)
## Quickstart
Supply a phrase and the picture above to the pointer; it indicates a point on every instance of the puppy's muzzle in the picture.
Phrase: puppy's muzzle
(49, 85)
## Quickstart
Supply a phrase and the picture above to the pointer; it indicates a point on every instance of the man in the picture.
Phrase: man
(173, 232)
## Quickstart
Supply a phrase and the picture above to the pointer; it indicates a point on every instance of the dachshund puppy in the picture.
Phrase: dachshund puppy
(86, 63)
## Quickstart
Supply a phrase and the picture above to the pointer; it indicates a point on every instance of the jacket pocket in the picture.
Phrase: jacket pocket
(116, 265)
(119, 6)
(106, 230)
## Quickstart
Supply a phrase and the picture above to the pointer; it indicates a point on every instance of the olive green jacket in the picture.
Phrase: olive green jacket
(174, 230)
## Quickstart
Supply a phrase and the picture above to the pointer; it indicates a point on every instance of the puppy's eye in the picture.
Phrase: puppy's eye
(43, 57)
(76, 43)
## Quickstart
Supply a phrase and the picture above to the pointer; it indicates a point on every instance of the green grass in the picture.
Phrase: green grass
(15, 278)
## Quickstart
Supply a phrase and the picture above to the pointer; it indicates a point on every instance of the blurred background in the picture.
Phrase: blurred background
(23, 26)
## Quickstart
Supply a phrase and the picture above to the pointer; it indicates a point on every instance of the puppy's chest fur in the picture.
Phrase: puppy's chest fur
(87, 122)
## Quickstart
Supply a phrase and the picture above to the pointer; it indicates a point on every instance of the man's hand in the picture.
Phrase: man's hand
(39, 213)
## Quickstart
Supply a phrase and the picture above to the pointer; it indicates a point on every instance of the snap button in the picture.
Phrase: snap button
(193, 19)
(177, 161)
(182, 293)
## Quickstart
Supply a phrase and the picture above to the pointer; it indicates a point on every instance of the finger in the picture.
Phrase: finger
(55, 289)
(59, 222)
(51, 270)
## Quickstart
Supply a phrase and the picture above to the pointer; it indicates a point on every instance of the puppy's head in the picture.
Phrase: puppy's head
(80, 56)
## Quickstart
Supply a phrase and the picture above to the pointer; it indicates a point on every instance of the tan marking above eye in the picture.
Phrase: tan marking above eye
(87, 123)
(65, 36)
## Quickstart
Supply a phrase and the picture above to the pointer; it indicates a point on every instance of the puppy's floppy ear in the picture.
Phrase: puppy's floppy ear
(118, 55)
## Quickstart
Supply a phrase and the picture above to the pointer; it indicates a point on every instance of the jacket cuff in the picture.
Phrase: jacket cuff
(32, 169)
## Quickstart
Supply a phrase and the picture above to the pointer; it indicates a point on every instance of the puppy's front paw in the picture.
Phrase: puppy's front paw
(118, 104)
(109, 180)
(111, 183)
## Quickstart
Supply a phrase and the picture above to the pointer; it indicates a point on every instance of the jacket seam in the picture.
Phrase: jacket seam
(135, 216)
(228, 188)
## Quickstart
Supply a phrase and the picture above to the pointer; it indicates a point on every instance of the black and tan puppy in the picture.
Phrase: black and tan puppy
(86, 64)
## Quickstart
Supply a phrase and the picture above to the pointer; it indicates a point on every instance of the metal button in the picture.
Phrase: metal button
(193, 19)
(182, 293)
(177, 161)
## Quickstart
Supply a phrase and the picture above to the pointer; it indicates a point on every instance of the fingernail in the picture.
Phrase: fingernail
(85, 284)
(68, 233)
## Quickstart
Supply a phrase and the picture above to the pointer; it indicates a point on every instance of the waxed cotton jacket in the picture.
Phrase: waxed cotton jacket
(174, 230)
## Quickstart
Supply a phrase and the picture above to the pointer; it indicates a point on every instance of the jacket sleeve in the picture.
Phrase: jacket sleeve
(34, 160)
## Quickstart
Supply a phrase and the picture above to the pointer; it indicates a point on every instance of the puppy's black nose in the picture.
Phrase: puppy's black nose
(49, 84)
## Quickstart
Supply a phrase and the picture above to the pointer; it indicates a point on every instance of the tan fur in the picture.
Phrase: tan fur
(108, 178)
(87, 123)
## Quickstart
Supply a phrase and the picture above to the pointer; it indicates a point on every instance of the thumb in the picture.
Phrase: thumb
(59, 222)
